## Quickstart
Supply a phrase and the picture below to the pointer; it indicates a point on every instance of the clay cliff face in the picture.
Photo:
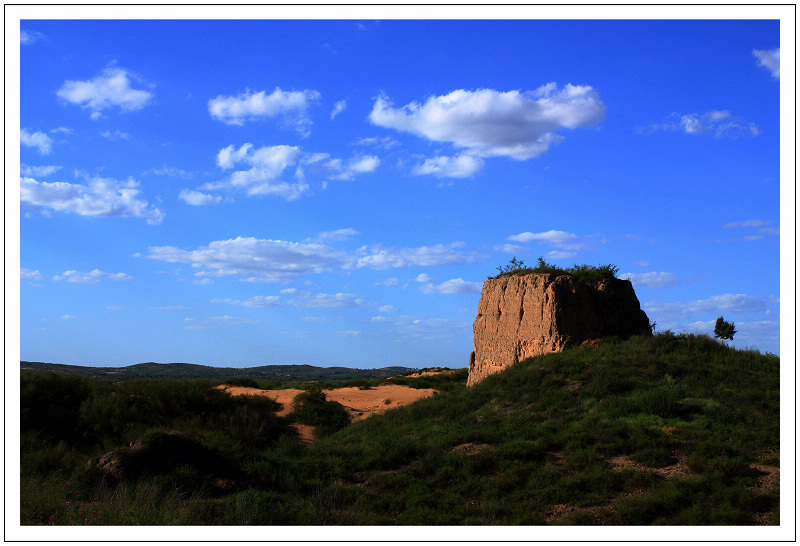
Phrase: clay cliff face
(520, 316)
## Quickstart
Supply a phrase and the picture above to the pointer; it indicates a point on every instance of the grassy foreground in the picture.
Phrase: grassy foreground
(665, 430)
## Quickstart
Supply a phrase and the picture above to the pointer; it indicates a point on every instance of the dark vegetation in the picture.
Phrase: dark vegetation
(177, 370)
(539, 443)
(582, 273)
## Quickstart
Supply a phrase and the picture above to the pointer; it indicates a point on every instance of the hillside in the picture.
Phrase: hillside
(154, 370)
(665, 430)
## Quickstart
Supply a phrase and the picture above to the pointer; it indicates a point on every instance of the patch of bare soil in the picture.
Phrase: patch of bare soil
(359, 403)
(470, 449)
(678, 469)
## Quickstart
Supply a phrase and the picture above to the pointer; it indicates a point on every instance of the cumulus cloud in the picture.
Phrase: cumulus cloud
(256, 260)
(553, 237)
(198, 198)
(259, 302)
(250, 106)
(111, 88)
(98, 197)
(40, 170)
(92, 277)
(453, 286)
(338, 108)
(486, 122)
(36, 139)
(769, 59)
(460, 166)
(718, 123)
(267, 165)
(653, 279)
(336, 169)
(376, 257)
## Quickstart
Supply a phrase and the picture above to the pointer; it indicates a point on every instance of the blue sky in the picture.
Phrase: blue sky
(243, 193)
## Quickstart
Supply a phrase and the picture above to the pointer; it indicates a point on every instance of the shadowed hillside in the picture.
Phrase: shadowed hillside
(662, 430)
(179, 370)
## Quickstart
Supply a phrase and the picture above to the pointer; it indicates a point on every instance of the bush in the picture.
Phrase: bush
(313, 408)
(582, 273)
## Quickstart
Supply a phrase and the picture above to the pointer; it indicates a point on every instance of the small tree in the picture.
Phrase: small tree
(724, 329)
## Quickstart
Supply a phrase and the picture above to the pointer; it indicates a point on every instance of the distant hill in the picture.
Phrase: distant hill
(180, 370)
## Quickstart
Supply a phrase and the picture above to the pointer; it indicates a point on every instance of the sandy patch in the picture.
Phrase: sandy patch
(358, 403)
(281, 396)
(363, 403)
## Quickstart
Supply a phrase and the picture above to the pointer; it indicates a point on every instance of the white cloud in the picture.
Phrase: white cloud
(486, 122)
(92, 277)
(553, 237)
(255, 260)
(338, 108)
(339, 235)
(28, 37)
(511, 249)
(770, 59)
(169, 171)
(327, 301)
(391, 281)
(198, 198)
(758, 229)
(255, 302)
(111, 88)
(116, 135)
(376, 257)
(388, 309)
(652, 279)
(336, 169)
(560, 255)
(41, 170)
(423, 277)
(30, 275)
(719, 123)
(250, 106)
(460, 166)
(266, 168)
(98, 197)
(453, 286)
(36, 139)
(68, 317)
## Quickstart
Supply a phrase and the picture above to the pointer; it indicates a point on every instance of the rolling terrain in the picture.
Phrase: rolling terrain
(179, 370)
(673, 429)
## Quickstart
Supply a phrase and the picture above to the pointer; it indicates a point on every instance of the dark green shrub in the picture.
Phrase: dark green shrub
(313, 408)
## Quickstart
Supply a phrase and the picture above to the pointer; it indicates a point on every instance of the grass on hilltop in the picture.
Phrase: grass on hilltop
(583, 273)
(586, 436)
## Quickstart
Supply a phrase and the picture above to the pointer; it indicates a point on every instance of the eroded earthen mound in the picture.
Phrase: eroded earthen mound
(520, 316)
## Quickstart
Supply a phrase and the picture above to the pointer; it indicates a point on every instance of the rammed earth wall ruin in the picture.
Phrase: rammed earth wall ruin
(520, 316)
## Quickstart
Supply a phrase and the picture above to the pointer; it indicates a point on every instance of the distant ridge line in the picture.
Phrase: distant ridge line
(183, 370)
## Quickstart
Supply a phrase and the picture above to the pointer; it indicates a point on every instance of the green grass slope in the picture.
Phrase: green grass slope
(667, 430)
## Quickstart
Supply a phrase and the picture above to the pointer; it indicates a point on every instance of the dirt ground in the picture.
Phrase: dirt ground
(359, 403)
